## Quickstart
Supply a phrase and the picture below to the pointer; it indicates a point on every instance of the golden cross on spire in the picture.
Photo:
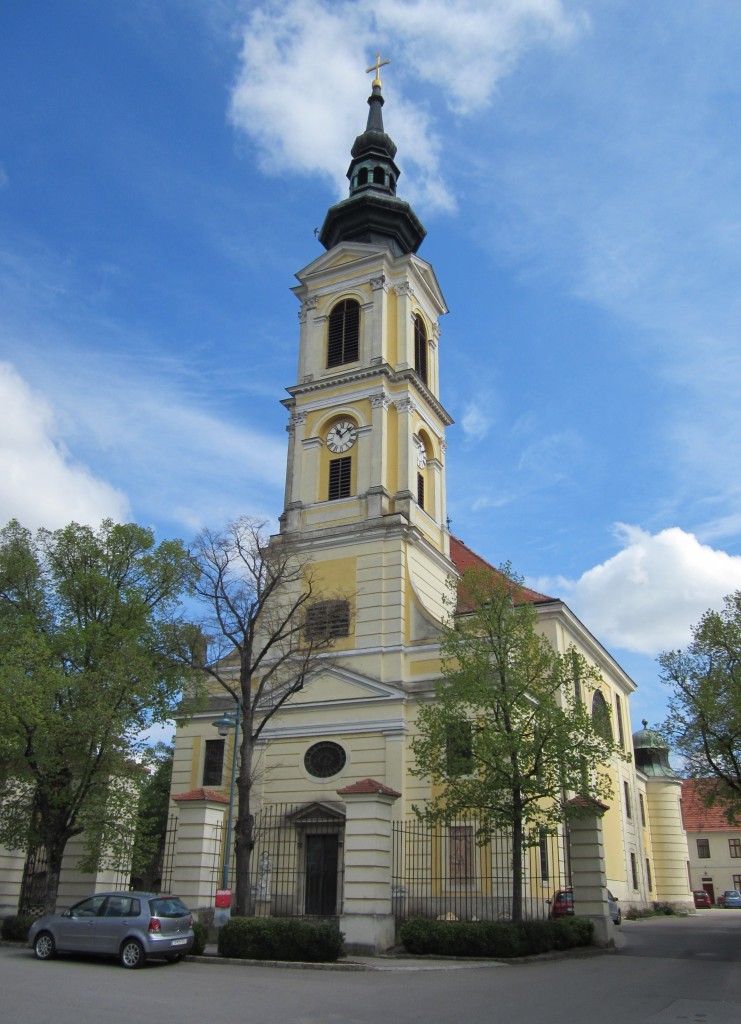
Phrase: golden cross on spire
(376, 67)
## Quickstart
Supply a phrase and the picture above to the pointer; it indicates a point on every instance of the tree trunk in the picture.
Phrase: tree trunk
(244, 828)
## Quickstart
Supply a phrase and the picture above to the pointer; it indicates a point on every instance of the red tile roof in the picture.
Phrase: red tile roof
(696, 817)
(202, 794)
(463, 558)
(367, 786)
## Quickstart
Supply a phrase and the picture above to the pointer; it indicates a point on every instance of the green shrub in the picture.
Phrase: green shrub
(201, 938)
(15, 929)
(280, 938)
(494, 939)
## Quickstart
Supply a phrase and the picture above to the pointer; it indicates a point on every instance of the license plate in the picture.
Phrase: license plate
(179, 942)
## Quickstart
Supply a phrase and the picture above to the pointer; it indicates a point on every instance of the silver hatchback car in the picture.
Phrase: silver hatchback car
(132, 926)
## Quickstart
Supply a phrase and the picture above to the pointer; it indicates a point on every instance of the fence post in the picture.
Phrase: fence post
(197, 850)
(588, 876)
(367, 918)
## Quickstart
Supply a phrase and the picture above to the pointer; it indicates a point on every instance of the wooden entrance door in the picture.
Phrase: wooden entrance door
(322, 853)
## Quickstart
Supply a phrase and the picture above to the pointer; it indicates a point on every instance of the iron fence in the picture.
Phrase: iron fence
(446, 872)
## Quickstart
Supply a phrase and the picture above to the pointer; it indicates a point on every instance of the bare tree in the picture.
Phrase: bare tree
(263, 632)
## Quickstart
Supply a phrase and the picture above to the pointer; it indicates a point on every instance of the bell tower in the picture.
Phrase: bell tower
(365, 481)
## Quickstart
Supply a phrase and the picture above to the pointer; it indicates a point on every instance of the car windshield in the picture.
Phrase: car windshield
(734, 893)
(565, 897)
(167, 906)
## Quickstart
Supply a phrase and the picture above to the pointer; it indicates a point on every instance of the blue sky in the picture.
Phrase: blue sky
(577, 166)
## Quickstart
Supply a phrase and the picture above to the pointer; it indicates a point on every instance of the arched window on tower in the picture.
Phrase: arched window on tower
(379, 178)
(420, 348)
(343, 336)
(363, 176)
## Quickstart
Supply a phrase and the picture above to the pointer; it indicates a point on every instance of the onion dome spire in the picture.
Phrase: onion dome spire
(373, 212)
(652, 753)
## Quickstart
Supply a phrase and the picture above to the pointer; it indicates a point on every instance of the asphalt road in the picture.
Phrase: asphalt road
(665, 971)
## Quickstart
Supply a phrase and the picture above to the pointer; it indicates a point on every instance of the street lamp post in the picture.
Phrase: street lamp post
(229, 720)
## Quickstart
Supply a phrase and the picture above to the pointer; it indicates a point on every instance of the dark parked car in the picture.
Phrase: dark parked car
(562, 905)
(132, 926)
(701, 898)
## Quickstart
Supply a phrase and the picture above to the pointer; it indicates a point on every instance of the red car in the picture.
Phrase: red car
(701, 898)
(562, 904)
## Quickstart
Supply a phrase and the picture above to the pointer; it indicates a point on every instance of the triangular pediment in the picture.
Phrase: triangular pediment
(341, 255)
(336, 683)
(317, 811)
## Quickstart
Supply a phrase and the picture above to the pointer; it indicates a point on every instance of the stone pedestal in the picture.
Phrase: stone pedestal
(367, 919)
(198, 847)
(588, 876)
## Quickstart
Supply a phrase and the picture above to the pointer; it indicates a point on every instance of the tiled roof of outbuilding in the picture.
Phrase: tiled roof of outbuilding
(696, 816)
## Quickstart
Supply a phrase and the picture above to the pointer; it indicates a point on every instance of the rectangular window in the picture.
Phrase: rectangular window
(326, 619)
(737, 882)
(460, 853)
(420, 490)
(634, 870)
(340, 473)
(628, 808)
(649, 879)
(621, 731)
(458, 748)
(703, 849)
(734, 847)
(643, 809)
(543, 849)
(213, 763)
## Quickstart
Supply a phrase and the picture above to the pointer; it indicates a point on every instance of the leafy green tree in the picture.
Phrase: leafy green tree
(704, 722)
(152, 816)
(265, 629)
(86, 664)
(506, 739)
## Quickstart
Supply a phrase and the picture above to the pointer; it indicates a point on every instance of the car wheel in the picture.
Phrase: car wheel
(619, 918)
(176, 958)
(132, 954)
(43, 946)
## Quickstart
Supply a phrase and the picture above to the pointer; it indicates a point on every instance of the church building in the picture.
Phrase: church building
(365, 503)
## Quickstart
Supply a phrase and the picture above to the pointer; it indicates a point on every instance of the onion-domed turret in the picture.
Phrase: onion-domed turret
(652, 753)
(373, 212)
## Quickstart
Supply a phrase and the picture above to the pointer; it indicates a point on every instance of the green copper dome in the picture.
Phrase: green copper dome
(652, 753)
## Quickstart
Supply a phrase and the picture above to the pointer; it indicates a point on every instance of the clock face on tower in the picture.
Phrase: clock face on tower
(341, 436)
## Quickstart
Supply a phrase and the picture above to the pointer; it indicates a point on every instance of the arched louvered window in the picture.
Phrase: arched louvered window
(344, 333)
(379, 178)
(420, 348)
(363, 176)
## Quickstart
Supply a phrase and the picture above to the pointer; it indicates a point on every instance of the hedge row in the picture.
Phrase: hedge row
(496, 939)
(280, 938)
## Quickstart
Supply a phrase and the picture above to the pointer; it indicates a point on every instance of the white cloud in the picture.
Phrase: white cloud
(467, 47)
(43, 485)
(647, 597)
(477, 419)
(183, 462)
(299, 92)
